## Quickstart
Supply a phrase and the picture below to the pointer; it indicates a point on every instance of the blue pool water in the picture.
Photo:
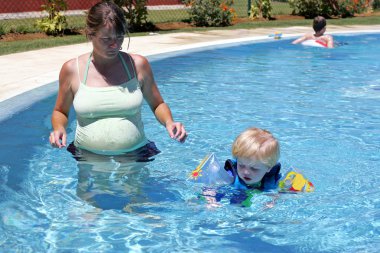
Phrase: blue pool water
(323, 106)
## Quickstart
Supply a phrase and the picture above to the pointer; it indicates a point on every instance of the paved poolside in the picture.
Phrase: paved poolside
(22, 72)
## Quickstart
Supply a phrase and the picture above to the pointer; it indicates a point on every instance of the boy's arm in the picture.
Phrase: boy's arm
(293, 181)
(211, 197)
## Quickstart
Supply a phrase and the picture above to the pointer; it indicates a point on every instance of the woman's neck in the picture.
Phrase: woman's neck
(102, 63)
(320, 33)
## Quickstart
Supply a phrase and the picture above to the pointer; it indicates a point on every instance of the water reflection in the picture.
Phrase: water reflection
(114, 182)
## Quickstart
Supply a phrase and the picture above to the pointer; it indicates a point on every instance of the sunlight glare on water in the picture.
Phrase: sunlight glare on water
(322, 105)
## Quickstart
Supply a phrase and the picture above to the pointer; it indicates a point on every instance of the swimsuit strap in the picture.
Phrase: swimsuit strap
(133, 65)
(122, 60)
(321, 43)
(87, 67)
(125, 66)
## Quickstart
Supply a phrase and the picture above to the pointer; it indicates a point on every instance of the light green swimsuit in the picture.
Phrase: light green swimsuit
(109, 118)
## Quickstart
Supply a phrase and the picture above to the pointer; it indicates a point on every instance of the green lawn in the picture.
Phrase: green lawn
(158, 16)
(27, 25)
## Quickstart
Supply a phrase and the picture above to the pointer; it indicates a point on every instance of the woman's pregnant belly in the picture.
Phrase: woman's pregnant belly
(109, 135)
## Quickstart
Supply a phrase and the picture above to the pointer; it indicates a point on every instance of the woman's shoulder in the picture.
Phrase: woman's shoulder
(70, 64)
(69, 67)
(327, 37)
(138, 59)
(69, 71)
(142, 64)
(310, 36)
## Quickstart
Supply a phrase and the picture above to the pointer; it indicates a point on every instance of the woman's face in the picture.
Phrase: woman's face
(251, 171)
(107, 42)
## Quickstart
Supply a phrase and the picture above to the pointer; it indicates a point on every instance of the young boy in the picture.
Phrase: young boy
(256, 154)
(319, 26)
(254, 169)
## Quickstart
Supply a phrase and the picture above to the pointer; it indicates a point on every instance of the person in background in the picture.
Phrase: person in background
(319, 26)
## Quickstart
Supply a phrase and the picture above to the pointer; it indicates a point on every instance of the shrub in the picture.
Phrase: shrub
(211, 12)
(328, 8)
(376, 4)
(55, 23)
(309, 8)
(3, 31)
(348, 8)
(136, 14)
(261, 9)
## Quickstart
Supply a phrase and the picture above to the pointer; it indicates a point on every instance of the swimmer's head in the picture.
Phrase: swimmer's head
(319, 24)
(257, 144)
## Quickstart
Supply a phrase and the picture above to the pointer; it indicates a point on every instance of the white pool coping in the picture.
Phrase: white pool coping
(22, 72)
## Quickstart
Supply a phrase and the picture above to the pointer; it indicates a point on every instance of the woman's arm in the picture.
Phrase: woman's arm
(63, 104)
(303, 38)
(153, 96)
(330, 41)
(299, 40)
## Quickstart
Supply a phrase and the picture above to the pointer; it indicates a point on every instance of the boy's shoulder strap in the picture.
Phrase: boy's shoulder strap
(270, 179)
(275, 170)
(230, 166)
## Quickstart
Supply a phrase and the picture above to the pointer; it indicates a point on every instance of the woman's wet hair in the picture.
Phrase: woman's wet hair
(319, 23)
(105, 13)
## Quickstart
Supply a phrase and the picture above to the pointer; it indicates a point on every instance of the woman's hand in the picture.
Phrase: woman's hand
(68, 80)
(176, 131)
(58, 138)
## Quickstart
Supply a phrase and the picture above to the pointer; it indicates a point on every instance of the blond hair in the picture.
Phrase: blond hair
(258, 144)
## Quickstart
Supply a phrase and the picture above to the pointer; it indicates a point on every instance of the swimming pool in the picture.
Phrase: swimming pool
(323, 105)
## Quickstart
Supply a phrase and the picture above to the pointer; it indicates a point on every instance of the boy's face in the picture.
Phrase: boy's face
(251, 171)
